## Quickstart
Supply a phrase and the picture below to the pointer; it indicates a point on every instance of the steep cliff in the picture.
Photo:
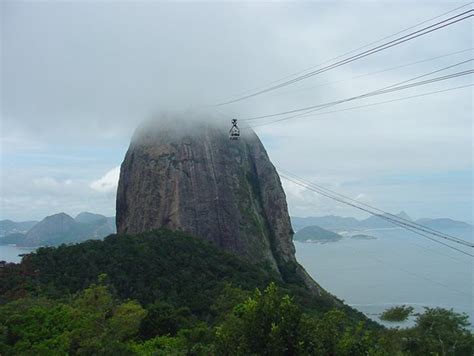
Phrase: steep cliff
(186, 176)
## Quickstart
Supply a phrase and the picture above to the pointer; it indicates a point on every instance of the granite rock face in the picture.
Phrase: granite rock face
(181, 175)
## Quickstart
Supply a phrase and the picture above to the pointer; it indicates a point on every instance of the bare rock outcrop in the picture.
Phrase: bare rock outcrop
(187, 175)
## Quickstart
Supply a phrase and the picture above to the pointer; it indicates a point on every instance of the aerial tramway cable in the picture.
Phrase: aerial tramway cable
(393, 221)
(361, 47)
(406, 224)
(311, 114)
(327, 105)
(426, 30)
(324, 106)
(384, 90)
(380, 211)
(409, 64)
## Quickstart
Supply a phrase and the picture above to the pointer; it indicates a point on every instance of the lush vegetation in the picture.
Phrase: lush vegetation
(397, 313)
(166, 293)
(163, 265)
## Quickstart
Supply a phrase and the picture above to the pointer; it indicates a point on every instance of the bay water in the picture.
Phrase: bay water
(398, 267)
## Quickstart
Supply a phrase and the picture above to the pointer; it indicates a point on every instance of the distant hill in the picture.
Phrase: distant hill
(62, 228)
(8, 227)
(330, 222)
(12, 239)
(86, 217)
(54, 227)
(373, 221)
(104, 225)
(316, 234)
(443, 223)
(339, 223)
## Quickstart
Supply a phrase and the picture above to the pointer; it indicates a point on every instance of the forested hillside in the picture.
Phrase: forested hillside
(164, 292)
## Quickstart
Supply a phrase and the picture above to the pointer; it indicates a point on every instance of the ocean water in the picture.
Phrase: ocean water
(398, 267)
(11, 253)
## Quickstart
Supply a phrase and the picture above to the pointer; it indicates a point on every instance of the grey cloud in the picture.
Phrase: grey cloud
(86, 73)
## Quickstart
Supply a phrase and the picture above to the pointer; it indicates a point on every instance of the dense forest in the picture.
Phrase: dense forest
(167, 293)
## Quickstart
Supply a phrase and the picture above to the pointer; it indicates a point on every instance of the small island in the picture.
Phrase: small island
(363, 237)
(316, 234)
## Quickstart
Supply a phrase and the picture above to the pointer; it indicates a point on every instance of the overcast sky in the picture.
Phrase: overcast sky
(77, 77)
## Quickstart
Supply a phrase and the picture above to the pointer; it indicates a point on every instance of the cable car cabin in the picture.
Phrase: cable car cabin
(234, 133)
